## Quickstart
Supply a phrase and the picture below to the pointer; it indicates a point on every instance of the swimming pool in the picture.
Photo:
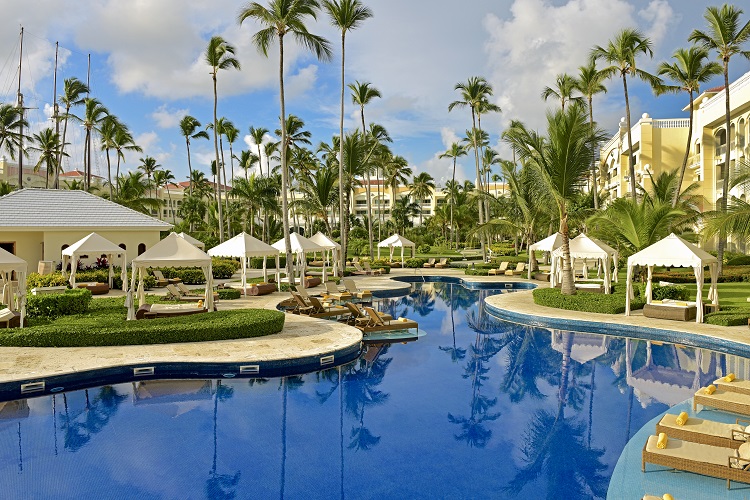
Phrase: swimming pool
(477, 408)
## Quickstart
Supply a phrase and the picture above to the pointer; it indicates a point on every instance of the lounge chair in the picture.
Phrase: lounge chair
(372, 271)
(321, 310)
(351, 287)
(736, 385)
(359, 269)
(500, 270)
(358, 316)
(95, 288)
(670, 309)
(520, 269)
(181, 292)
(698, 430)
(302, 306)
(714, 461)
(160, 277)
(734, 402)
(378, 323)
(430, 263)
(9, 319)
(333, 292)
(443, 263)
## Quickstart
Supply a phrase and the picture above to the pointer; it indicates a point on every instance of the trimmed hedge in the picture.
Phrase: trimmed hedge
(728, 317)
(188, 275)
(257, 262)
(105, 325)
(54, 305)
(729, 274)
(416, 262)
(228, 294)
(585, 301)
(743, 260)
(34, 280)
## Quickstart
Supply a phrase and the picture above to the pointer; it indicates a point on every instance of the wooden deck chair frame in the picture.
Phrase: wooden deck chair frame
(302, 307)
(732, 438)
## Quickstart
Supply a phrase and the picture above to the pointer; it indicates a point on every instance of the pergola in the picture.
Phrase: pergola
(93, 244)
(328, 244)
(13, 296)
(548, 244)
(584, 248)
(301, 246)
(194, 241)
(243, 246)
(673, 251)
(396, 240)
(171, 251)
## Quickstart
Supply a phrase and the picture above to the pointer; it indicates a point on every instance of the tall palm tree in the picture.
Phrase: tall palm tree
(284, 17)
(320, 189)
(621, 54)
(95, 113)
(590, 83)
(108, 133)
(362, 94)
(162, 179)
(474, 93)
(11, 123)
(123, 141)
(149, 166)
(565, 86)
(345, 15)
(132, 194)
(246, 160)
(73, 94)
(47, 144)
(190, 128)
(726, 35)
(688, 71)
(270, 149)
(396, 172)
(455, 151)
(422, 186)
(257, 134)
(562, 160)
(219, 55)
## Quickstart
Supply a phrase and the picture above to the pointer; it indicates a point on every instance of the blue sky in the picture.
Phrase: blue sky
(147, 67)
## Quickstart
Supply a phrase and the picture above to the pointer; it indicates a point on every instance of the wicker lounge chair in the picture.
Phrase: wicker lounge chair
(500, 270)
(677, 311)
(430, 262)
(9, 319)
(734, 402)
(443, 263)
(714, 461)
(351, 287)
(698, 430)
(321, 310)
(736, 385)
(301, 307)
(520, 269)
(378, 323)
(160, 277)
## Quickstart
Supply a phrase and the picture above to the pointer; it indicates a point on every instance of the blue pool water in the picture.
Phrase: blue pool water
(476, 408)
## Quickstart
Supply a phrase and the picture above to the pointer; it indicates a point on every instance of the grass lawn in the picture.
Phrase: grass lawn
(730, 294)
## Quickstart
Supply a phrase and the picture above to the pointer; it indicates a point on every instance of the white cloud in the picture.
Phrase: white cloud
(301, 82)
(661, 17)
(148, 141)
(168, 118)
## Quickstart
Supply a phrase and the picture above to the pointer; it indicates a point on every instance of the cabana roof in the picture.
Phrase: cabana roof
(92, 244)
(172, 251)
(299, 243)
(672, 251)
(396, 240)
(548, 244)
(192, 240)
(243, 245)
(324, 241)
(585, 247)
(10, 262)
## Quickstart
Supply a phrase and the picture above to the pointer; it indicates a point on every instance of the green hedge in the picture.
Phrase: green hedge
(743, 260)
(228, 294)
(416, 262)
(729, 317)
(107, 327)
(730, 274)
(257, 262)
(53, 305)
(34, 280)
(585, 301)
(188, 275)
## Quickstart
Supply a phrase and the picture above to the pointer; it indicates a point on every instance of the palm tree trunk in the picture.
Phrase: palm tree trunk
(190, 168)
(284, 168)
(216, 150)
(568, 285)
(88, 163)
(224, 186)
(368, 190)
(631, 167)
(171, 207)
(479, 181)
(725, 182)
(676, 195)
(62, 146)
(593, 161)
(109, 174)
(453, 185)
(343, 218)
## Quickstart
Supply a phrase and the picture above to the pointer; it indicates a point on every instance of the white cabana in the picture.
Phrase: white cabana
(95, 245)
(192, 241)
(327, 243)
(548, 244)
(396, 241)
(172, 251)
(243, 246)
(585, 248)
(13, 292)
(673, 251)
(301, 246)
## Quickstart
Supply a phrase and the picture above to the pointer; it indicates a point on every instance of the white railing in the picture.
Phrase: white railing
(672, 123)
(719, 100)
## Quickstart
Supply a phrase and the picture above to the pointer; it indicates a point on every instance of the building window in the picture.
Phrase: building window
(141, 248)
(123, 246)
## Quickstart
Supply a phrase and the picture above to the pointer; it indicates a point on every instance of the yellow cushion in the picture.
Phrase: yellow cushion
(681, 303)
(667, 496)
(661, 443)
(681, 418)
(730, 377)
(710, 389)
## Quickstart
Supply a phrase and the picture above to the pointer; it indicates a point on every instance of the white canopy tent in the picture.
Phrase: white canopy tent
(327, 243)
(13, 296)
(673, 251)
(396, 241)
(175, 252)
(548, 244)
(301, 246)
(93, 244)
(243, 246)
(192, 241)
(585, 248)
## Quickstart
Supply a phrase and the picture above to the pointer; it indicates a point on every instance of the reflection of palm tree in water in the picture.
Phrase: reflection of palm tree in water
(422, 300)
(96, 416)
(360, 386)
(221, 486)
(456, 353)
(286, 383)
(554, 448)
(529, 358)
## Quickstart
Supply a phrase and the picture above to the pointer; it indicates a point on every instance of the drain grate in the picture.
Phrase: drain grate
(326, 360)
(143, 371)
(249, 369)
(32, 387)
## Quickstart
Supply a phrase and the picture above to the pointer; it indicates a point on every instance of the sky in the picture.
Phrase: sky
(148, 69)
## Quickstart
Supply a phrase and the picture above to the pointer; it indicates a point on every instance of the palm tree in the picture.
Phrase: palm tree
(132, 194)
(73, 95)
(108, 135)
(725, 36)
(320, 189)
(149, 166)
(621, 54)
(257, 134)
(474, 93)
(219, 55)
(455, 151)
(362, 94)
(345, 15)
(162, 179)
(280, 18)
(589, 83)
(190, 128)
(11, 123)
(562, 160)
(688, 71)
(422, 186)
(246, 160)
(396, 172)
(48, 145)
(565, 86)
(94, 116)
(123, 141)
(270, 149)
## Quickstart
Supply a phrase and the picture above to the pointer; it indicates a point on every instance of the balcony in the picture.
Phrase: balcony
(721, 150)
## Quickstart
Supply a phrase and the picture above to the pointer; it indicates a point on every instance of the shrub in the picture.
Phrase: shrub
(36, 280)
(222, 270)
(476, 272)
(585, 301)
(188, 275)
(236, 264)
(416, 262)
(743, 260)
(674, 292)
(228, 294)
(728, 317)
(257, 262)
(729, 274)
(53, 305)
(424, 249)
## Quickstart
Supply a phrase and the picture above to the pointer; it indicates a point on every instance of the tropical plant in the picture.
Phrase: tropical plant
(565, 86)
(589, 83)
(621, 53)
(726, 35)
(123, 141)
(149, 166)
(190, 128)
(284, 17)
(162, 179)
(455, 152)
(47, 145)
(73, 95)
(257, 134)
(132, 194)
(95, 114)
(108, 133)
(422, 187)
